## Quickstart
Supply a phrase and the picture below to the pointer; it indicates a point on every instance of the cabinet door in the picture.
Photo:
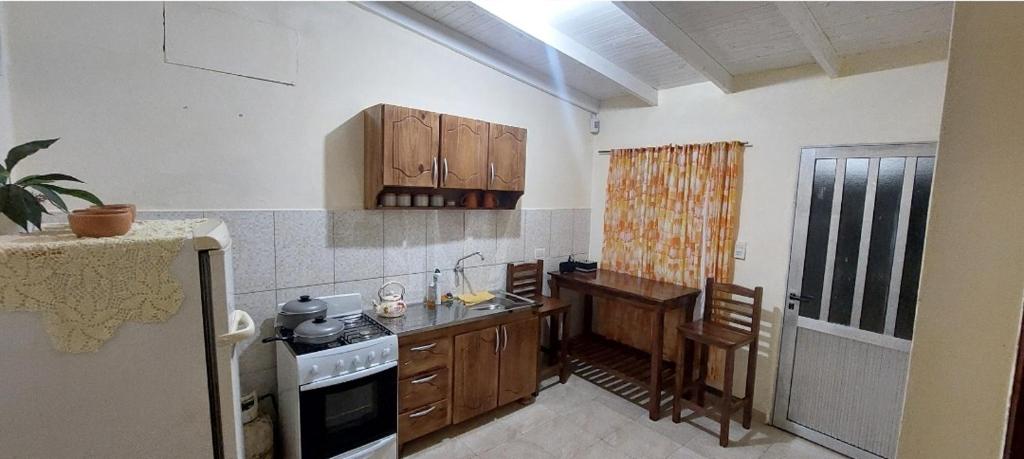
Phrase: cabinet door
(507, 158)
(411, 139)
(518, 373)
(463, 152)
(476, 373)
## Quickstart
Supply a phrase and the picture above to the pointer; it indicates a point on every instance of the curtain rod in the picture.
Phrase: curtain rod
(608, 152)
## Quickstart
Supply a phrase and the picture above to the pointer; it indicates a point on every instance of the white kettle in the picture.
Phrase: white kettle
(390, 303)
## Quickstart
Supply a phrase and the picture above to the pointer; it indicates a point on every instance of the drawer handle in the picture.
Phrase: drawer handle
(422, 413)
(425, 347)
(423, 380)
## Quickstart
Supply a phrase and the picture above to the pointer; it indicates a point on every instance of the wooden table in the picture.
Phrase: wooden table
(657, 297)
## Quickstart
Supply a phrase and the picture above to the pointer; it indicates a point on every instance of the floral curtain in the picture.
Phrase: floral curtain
(671, 215)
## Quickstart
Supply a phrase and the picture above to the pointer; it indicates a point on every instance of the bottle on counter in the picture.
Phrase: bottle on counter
(433, 297)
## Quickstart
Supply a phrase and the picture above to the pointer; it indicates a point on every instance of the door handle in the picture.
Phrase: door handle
(422, 412)
(504, 331)
(242, 328)
(444, 173)
(424, 380)
(433, 172)
(497, 340)
(801, 298)
(491, 181)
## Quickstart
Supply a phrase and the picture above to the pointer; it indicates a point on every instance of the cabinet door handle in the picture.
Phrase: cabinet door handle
(425, 347)
(433, 172)
(491, 180)
(422, 413)
(497, 340)
(504, 331)
(423, 380)
(444, 177)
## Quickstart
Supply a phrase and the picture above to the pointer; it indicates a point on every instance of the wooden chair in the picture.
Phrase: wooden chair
(732, 318)
(527, 280)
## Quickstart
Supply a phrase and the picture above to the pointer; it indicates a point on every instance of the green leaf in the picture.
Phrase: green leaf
(80, 194)
(52, 196)
(45, 178)
(3, 176)
(21, 206)
(22, 151)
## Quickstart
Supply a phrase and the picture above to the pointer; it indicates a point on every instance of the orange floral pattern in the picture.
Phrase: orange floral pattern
(672, 212)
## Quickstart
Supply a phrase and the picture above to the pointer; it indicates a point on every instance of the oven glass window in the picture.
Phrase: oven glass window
(342, 417)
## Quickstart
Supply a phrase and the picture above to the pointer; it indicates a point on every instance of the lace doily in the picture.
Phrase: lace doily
(86, 288)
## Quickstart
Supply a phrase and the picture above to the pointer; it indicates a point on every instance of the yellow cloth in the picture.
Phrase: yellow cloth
(86, 288)
(474, 298)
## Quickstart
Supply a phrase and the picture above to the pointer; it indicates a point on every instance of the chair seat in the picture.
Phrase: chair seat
(714, 334)
(551, 305)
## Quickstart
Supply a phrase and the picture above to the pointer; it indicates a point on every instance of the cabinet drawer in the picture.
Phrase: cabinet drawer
(422, 356)
(422, 389)
(419, 422)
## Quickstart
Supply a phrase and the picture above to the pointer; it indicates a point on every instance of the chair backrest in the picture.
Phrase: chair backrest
(526, 279)
(733, 306)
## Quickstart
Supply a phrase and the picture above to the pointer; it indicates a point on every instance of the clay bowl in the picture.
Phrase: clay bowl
(129, 207)
(100, 223)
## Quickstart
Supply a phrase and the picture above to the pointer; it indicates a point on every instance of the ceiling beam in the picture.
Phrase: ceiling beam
(526, 21)
(810, 33)
(648, 16)
(479, 52)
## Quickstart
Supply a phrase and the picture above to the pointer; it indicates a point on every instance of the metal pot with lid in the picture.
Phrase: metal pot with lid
(313, 331)
(295, 312)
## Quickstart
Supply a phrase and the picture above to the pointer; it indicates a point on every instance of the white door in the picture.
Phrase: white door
(854, 269)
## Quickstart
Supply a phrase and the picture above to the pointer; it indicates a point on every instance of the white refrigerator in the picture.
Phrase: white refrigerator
(161, 390)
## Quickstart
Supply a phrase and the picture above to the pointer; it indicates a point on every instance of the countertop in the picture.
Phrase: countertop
(418, 317)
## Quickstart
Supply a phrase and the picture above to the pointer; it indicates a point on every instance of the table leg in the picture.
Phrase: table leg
(654, 408)
(588, 314)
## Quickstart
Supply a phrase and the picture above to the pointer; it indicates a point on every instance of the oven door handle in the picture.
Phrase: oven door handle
(349, 377)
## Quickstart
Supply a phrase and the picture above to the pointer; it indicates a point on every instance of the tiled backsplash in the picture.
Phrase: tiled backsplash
(281, 254)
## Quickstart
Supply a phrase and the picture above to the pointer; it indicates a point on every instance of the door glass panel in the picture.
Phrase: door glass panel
(882, 244)
(915, 246)
(851, 218)
(822, 188)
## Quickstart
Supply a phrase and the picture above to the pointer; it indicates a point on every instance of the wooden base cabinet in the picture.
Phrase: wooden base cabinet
(493, 367)
(452, 374)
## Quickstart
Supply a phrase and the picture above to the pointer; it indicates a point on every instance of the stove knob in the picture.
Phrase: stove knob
(370, 358)
(313, 370)
(384, 353)
(339, 367)
(357, 361)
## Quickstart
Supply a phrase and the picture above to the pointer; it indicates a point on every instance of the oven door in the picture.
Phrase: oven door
(342, 414)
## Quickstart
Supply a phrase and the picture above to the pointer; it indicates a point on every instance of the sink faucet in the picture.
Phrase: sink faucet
(460, 271)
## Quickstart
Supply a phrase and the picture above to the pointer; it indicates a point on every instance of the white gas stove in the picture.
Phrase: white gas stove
(340, 399)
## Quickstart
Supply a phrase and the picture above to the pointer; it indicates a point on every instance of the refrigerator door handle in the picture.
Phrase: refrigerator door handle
(242, 327)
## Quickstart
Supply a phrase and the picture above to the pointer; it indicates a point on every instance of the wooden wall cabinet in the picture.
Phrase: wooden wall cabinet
(463, 153)
(414, 151)
(507, 158)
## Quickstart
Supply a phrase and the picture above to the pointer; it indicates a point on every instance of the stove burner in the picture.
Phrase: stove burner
(358, 328)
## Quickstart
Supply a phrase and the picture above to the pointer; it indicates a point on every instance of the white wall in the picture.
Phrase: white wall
(6, 130)
(968, 315)
(138, 129)
(890, 106)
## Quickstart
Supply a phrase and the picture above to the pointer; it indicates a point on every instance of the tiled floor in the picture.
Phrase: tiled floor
(581, 420)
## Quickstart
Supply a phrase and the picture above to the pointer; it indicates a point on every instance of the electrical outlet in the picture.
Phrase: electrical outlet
(539, 253)
(740, 253)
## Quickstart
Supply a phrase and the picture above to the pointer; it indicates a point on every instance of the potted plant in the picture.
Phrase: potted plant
(21, 201)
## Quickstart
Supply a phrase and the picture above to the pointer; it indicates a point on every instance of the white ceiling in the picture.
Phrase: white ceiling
(742, 37)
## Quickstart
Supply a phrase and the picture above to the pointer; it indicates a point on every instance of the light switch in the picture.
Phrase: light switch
(740, 253)
(539, 253)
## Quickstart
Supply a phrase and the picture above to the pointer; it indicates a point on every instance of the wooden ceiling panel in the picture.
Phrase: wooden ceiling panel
(744, 37)
(609, 32)
(859, 27)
